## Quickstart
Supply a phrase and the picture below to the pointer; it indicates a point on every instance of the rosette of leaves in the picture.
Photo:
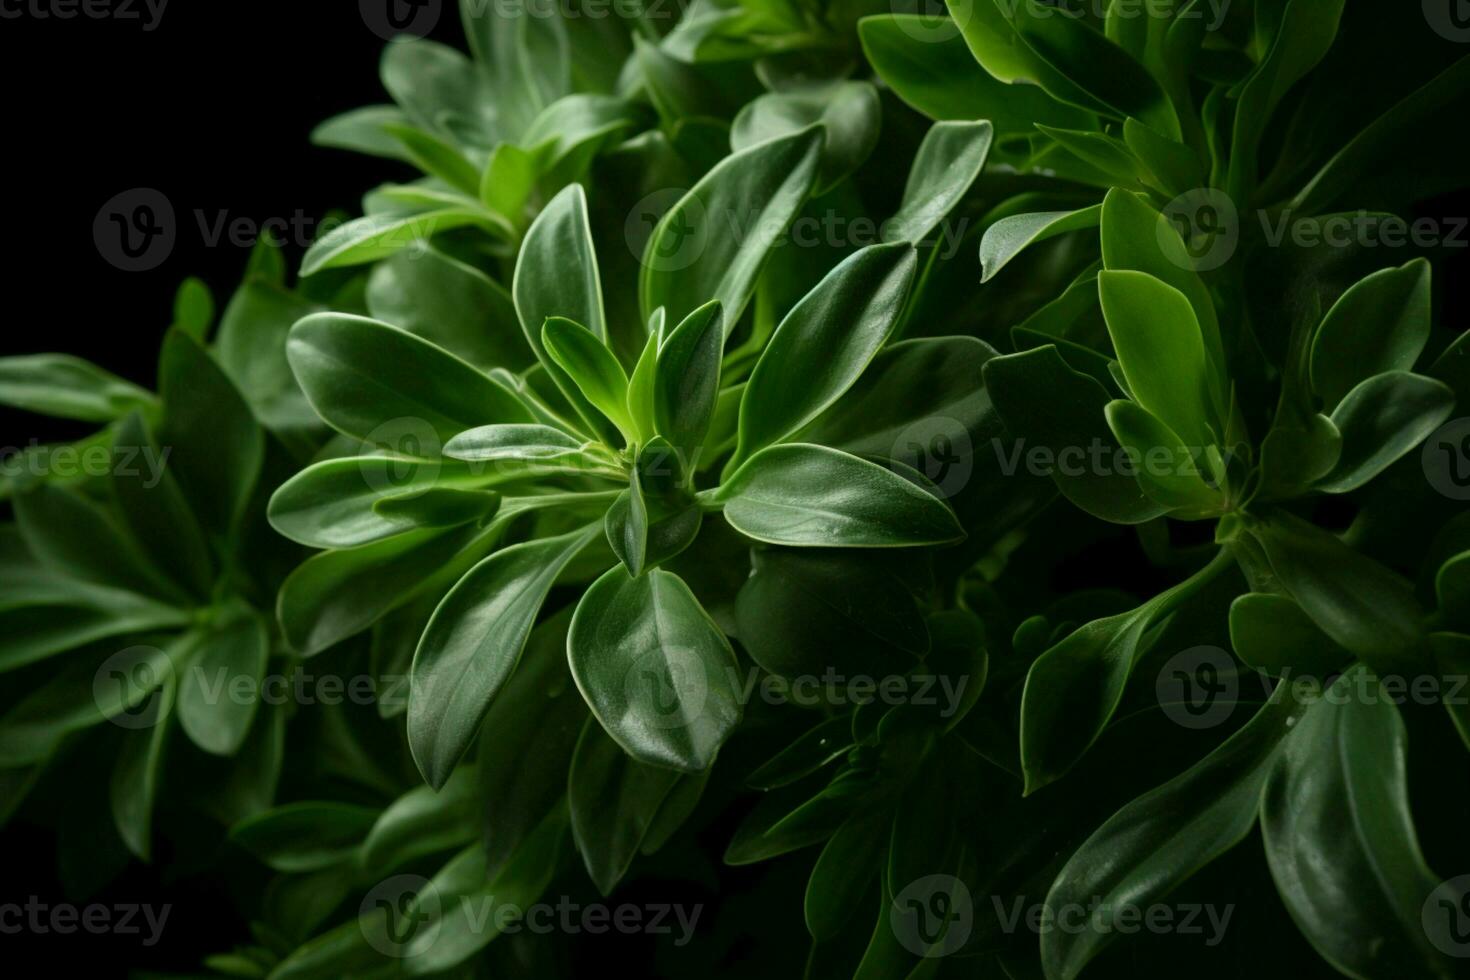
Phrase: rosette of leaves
(139, 582)
(491, 487)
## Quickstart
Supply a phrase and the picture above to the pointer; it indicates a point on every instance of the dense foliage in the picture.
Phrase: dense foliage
(671, 489)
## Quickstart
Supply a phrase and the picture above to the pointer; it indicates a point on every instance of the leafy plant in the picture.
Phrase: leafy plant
(972, 561)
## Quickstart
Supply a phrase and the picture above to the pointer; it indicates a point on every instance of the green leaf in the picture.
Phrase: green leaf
(473, 643)
(374, 381)
(220, 689)
(532, 443)
(439, 89)
(85, 692)
(437, 157)
(527, 740)
(1177, 483)
(1340, 839)
(844, 871)
(556, 275)
(1363, 606)
(641, 382)
(1272, 634)
(800, 606)
(1136, 237)
(133, 788)
(1161, 839)
(948, 162)
(614, 800)
(814, 496)
(1056, 416)
(656, 671)
(1073, 689)
(1092, 63)
(338, 594)
(686, 380)
(1380, 324)
(927, 64)
(714, 241)
(68, 387)
(1161, 350)
(378, 236)
(334, 503)
(252, 350)
(592, 367)
(1008, 237)
(218, 450)
(154, 510)
(1295, 37)
(848, 111)
(450, 304)
(824, 344)
(305, 836)
(815, 748)
(446, 936)
(1382, 420)
(363, 130)
(422, 822)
